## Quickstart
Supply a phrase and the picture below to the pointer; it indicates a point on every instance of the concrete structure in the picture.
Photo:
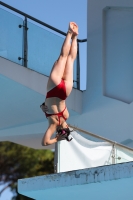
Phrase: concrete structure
(107, 182)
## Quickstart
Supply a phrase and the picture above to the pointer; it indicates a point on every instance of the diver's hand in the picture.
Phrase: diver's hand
(44, 107)
(60, 137)
(64, 134)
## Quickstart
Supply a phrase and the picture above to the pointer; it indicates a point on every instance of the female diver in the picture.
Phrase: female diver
(59, 87)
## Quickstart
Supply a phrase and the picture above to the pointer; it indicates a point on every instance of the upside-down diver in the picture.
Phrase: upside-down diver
(59, 87)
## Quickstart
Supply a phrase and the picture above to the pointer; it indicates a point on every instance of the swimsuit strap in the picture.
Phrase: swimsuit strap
(60, 114)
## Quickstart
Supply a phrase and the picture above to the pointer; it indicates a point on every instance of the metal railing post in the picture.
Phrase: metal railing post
(25, 53)
(113, 154)
(24, 57)
(78, 68)
(56, 159)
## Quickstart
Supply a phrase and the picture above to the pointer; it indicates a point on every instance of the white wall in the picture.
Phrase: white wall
(110, 116)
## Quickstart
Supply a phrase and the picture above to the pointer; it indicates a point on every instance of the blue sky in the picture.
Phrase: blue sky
(57, 14)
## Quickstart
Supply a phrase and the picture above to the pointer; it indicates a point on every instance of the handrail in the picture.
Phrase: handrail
(100, 137)
(38, 21)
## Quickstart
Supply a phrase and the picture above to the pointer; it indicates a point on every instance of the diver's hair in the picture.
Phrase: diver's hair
(65, 132)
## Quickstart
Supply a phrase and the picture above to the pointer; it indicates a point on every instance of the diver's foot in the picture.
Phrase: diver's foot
(73, 28)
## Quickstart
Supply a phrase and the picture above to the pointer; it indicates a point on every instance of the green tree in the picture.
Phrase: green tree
(17, 162)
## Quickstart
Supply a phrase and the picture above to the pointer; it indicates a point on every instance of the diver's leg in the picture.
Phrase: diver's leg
(68, 73)
(59, 66)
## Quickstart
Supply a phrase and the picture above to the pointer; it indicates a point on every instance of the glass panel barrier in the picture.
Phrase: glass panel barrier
(85, 151)
(43, 46)
(88, 150)
(123, 155)
(10, 36)
(75, 73)
(43, 50)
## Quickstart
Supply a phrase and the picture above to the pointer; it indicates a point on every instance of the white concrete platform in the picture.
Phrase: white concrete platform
(105, 183)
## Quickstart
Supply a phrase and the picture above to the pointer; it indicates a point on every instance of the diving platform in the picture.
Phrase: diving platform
(105, 182)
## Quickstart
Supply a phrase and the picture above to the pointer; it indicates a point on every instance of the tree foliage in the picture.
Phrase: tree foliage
(17, 162)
